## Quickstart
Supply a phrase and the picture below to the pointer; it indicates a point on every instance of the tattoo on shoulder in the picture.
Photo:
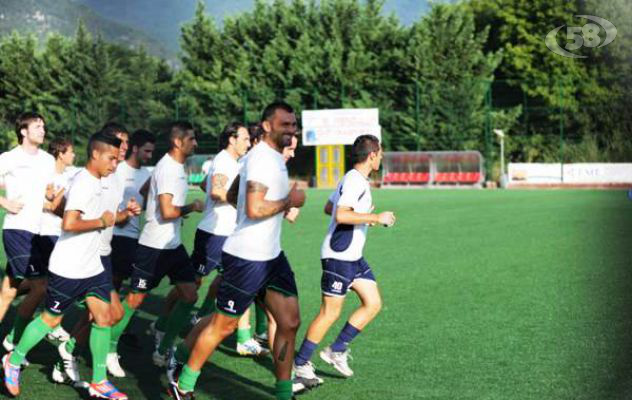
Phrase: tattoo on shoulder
(253, 187)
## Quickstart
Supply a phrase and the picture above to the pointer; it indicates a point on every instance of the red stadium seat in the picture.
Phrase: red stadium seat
(441, 177)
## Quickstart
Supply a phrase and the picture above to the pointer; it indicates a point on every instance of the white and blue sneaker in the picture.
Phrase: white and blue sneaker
(337, 359)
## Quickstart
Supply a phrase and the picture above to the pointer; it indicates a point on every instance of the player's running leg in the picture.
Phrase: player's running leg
(371, 303)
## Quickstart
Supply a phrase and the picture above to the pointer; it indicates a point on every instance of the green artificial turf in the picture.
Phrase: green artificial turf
(487, 295)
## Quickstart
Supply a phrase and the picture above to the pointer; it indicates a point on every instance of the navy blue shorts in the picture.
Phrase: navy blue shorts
(47, 244)
(154, 264)
(63, 292)
(24, 254)
(107, 266)
(207, 252)
(243, 280)
(123, 255)
(338, 276)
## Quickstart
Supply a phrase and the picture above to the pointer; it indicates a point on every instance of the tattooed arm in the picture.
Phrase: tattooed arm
(218, 188)
(257, 207)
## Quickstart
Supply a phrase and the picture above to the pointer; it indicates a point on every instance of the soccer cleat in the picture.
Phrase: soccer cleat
(174, 368)
(9, 347)
(8, 344)
(105, 390)
(70, 366)
(298, 386)
(251, 348)
(114, 368)
(59, 333)
(177, 394)
(306, 374)
(337, 359)
(11, 376)
(59, 376)
(262, 339)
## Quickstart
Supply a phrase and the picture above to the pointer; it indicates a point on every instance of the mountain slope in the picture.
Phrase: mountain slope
(42, 17)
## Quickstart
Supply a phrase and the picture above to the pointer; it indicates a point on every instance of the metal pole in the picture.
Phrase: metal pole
(417, 111)
(502, 157)
(561, 101)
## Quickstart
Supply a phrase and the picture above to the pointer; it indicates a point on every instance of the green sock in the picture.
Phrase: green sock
(11, 334)
(283, 390)
(119, 328)
(261, 320)
(19, 324)
(33, 334)
(188, 377)
(208, 306)
(71, 344)
(243, 335)
(182, 353)
(161, 323)
(178, 318)
(99, 346)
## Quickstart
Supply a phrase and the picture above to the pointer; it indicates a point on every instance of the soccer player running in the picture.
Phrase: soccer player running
(28, 174)
(218, 222)
(111, 196)
(343, 265)
(76, 271)
(160, 250)
(252, 258)
(134, 180)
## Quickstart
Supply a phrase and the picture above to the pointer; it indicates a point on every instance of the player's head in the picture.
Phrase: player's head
(63, 150)
(103, 153)
(235, 138)
(279, 123)
(118, 130)
(182, 138)
(141, 146)
(367, 149)
(30, 126)
(289, 151)
(256, 132)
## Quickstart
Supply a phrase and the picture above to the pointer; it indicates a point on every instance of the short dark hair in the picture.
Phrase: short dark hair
(271, 109)
(178, 130)
(58, 146)
(23, 121)
(229, 131)
(101, 139)
(255, 131)
(138, 139)
(363, 146)
(113, 128)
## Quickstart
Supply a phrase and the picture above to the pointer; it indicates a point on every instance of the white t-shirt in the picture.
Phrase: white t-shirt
(51, 223)
(132, 180)
(111, 195)
(168, 177)
(259, 240)
(76, 255)
(25, 178)
(346, 242)
(220, 219)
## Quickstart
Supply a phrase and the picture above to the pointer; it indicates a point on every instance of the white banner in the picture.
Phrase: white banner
(585, 173)
(342, 126)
